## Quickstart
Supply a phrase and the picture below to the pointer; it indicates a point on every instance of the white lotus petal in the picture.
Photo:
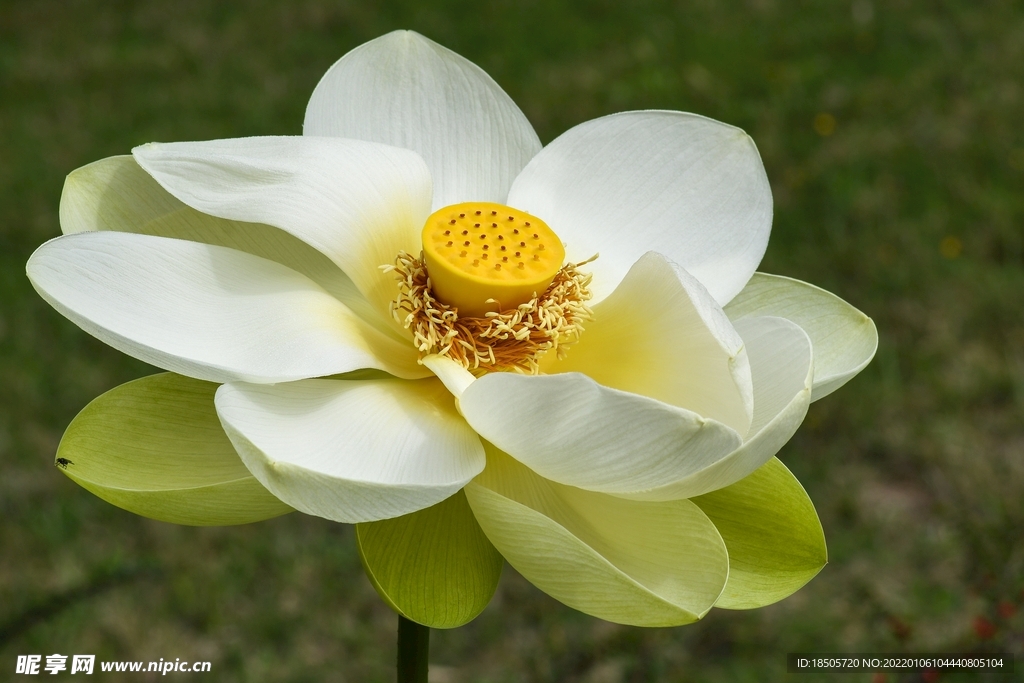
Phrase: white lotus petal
(679, 184)
(405, 90)
(352, 451)
(359, 203)
(570, 429)
(661, 335)
(780, 361)
(207, 312)
(844, 339)
(455, 377)
(116, 194)
(645, 564)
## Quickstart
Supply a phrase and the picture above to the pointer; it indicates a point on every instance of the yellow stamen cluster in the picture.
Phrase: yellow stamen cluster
(510, 340)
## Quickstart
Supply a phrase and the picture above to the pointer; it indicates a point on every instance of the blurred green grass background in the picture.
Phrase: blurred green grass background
(892, 137)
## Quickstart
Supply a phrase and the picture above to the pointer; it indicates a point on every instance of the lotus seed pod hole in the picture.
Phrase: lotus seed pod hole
(484, 257)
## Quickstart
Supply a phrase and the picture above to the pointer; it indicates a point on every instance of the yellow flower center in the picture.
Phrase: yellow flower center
(489, 289)
(485, 257)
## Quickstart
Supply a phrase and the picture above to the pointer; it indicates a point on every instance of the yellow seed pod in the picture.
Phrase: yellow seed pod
(479, 250)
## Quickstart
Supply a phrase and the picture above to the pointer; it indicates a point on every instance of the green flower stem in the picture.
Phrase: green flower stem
(413, 650)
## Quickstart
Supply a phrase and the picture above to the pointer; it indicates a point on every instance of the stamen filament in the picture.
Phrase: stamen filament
(514, 339)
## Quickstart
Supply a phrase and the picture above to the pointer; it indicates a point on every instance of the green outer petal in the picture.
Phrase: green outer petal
(775, 540)
(155, 447)
(630, 562)
(844, 339)
(434, 566)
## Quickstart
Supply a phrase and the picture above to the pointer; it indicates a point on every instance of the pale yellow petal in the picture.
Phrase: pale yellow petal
(645, 564)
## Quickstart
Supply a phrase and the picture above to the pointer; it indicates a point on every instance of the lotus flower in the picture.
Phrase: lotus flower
(607, 425)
